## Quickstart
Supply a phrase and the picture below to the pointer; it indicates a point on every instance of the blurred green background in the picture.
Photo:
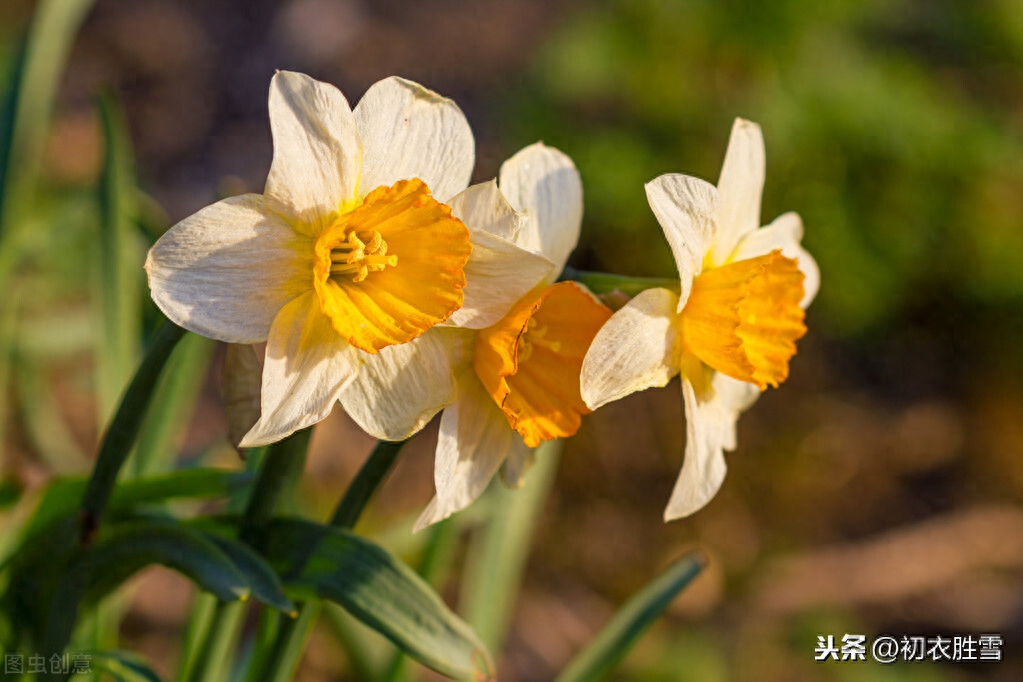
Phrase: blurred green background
(879, 491)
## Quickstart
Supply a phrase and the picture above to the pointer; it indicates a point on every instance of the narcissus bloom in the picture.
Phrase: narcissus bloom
(730, 331)
(518, 379)
(362, 240)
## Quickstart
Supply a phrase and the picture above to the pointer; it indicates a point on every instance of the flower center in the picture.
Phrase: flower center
(392, 267)
(530, 360)
(357, 258)
(536, 334)
(743, 319)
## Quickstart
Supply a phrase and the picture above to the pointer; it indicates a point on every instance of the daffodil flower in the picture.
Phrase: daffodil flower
(348, 256)
(730, 331)
(518, 380)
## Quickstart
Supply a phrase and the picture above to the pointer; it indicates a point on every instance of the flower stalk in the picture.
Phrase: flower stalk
(294, 632)
(606, 283)
(282, 464)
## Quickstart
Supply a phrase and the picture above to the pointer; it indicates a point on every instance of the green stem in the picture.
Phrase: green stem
(214, 657)
(199, 619)
(124, 428)
(289, 644)
(173, 404)
(605, 283)
(293, 634)
(282, 463)
(365, 483)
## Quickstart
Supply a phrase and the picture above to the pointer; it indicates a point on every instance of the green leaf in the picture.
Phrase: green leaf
(290, 640)
(90, 571)
(125, 548)
(33, 571)
(200, 617)
(173, 404)
(265, 585)
(123, 666)
(119, 256)
(614, 640)
(61, 497)
(215, 657)
(285, 651)
(382, 592)
(433, 567)
(193, 484)
(10, 492)
(120, 437)
(59, 500)
(28, 103)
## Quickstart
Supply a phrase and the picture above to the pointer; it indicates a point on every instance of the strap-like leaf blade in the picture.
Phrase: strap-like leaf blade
(123, 549)
(265, 585)
(615, 639)
(383, 593)
(123, 666)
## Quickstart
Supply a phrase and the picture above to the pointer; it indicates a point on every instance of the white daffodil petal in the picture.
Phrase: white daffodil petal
(225, 271)
(740, 187)
(519, 461)
(710, 430)
(411, 132)
(484, 208)
(306, 368)
(317, 150)
(638, 348)
(543, 183)
(399, 389)
(497, 275)
(498, 272)
(733, 397)
(686, 208)
(474, 440)
(785, 233)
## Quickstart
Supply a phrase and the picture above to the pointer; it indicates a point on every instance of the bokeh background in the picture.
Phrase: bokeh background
(878, 491)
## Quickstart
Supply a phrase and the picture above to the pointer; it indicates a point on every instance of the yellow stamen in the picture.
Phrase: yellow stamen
(356, 258)
(530, 360)
(392, 267)
(743, 319)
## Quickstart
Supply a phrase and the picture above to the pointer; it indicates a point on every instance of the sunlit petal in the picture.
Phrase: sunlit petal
(710, 428)
(411, 132)
(498, 272)
(307, 366)
(317, 151)
(686, 208)
(638, 348)
(401, 388)
(739, 187)
(474, 440)
(543, 183)
(225, 271)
